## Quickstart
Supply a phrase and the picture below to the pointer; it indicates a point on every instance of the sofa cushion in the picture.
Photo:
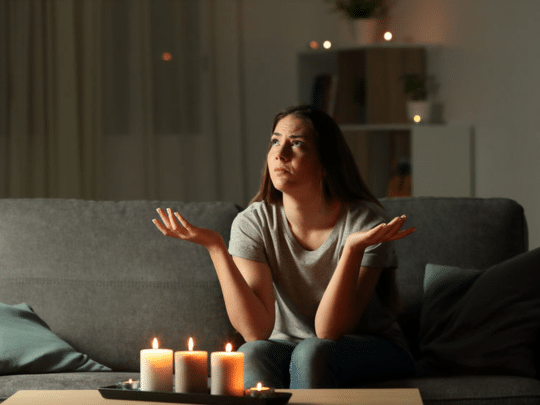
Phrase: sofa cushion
(486, 323)
(27, 345)
(465, 232)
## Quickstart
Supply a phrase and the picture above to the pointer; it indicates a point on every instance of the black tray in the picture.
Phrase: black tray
(113, 392)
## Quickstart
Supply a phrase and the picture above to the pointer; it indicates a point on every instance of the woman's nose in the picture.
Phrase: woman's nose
(284, 153)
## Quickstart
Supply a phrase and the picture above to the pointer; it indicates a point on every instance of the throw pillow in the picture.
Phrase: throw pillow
(27, 345)
(486, 322)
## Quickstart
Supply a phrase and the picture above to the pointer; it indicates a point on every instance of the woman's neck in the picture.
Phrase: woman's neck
(311, 213)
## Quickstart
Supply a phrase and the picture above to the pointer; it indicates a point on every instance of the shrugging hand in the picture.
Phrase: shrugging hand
(380, 234)
(176, 226)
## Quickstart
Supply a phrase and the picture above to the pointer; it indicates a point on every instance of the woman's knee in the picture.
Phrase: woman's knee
(266, 361)
(254, 348)
(311, 352)
(265, 348)
(311, 364)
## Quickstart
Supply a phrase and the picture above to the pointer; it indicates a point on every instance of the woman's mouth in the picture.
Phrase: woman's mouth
(281, 170)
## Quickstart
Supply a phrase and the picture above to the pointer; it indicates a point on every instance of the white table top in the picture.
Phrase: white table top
(313, 397)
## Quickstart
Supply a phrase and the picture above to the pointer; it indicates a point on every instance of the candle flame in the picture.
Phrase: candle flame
(155, 344)
(130, 381)
(191, 344)
(228, 348)
(259, 386)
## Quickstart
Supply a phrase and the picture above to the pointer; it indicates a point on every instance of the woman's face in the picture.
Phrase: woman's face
(292, 160)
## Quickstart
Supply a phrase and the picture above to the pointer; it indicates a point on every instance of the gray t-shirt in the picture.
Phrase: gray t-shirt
(261, 233)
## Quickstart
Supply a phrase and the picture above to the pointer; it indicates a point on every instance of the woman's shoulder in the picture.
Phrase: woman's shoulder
(258, 208)
(258, 212)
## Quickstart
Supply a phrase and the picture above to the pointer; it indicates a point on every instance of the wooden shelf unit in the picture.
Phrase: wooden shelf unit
(367, 100)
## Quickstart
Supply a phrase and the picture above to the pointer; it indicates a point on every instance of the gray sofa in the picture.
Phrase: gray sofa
(85, 285)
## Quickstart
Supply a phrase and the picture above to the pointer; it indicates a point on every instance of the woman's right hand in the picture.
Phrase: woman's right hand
(175, 225)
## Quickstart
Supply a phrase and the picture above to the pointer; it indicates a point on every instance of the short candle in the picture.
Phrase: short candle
(156, 369)
(129, 385)
(191, 370)
(227, 370)
(260, 391)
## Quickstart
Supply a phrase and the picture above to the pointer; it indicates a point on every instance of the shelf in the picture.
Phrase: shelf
(360, 85)
(384, 127)
(378, 45)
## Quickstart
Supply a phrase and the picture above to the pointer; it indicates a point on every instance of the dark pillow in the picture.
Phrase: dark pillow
(481, 322)
(28, 346)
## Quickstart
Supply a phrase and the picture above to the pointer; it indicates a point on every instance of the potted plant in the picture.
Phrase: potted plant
(362, 16)
(356, 9)
(415, 86)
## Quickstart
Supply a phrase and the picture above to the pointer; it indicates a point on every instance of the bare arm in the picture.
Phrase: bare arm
(351, 286)
(246, 285)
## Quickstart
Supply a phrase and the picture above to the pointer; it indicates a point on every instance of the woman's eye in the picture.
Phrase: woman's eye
(274, 142)
(298, 143)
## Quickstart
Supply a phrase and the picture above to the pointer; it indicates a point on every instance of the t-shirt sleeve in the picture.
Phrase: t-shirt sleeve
(247, 241)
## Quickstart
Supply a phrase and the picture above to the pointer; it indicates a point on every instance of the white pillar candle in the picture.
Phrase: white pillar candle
(191, 370)
(227, 373)
(156, 369)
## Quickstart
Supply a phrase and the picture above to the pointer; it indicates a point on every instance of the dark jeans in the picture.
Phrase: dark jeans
(321, 363)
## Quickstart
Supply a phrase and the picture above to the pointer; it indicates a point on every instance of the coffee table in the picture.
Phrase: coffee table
(409, 396)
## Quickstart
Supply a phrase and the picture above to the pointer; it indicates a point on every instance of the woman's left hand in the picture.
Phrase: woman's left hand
(380, 234)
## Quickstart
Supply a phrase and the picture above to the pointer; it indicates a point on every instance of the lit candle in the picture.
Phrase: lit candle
(227, 370)
(260, 391)
(156, 369)
(129, 385)
(191, 370)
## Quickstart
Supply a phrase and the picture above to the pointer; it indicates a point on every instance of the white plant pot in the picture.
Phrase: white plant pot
(364, 30)
(359, 31)
(419, 111)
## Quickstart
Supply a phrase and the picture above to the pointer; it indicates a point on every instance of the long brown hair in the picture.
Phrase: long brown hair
(341, 178)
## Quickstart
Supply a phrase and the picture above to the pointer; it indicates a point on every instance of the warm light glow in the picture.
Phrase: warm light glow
(228, 348)
(388, 36)
(190, 344)
(259, 386)
(155, 344)
(417, 118)
(313, 44)
(130, 381)
(166, 56)
(327, 44)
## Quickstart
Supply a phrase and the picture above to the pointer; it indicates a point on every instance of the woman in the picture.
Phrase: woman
(308, 278)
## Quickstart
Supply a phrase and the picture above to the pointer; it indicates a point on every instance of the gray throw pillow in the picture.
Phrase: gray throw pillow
(27, 345)
(481, 322)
